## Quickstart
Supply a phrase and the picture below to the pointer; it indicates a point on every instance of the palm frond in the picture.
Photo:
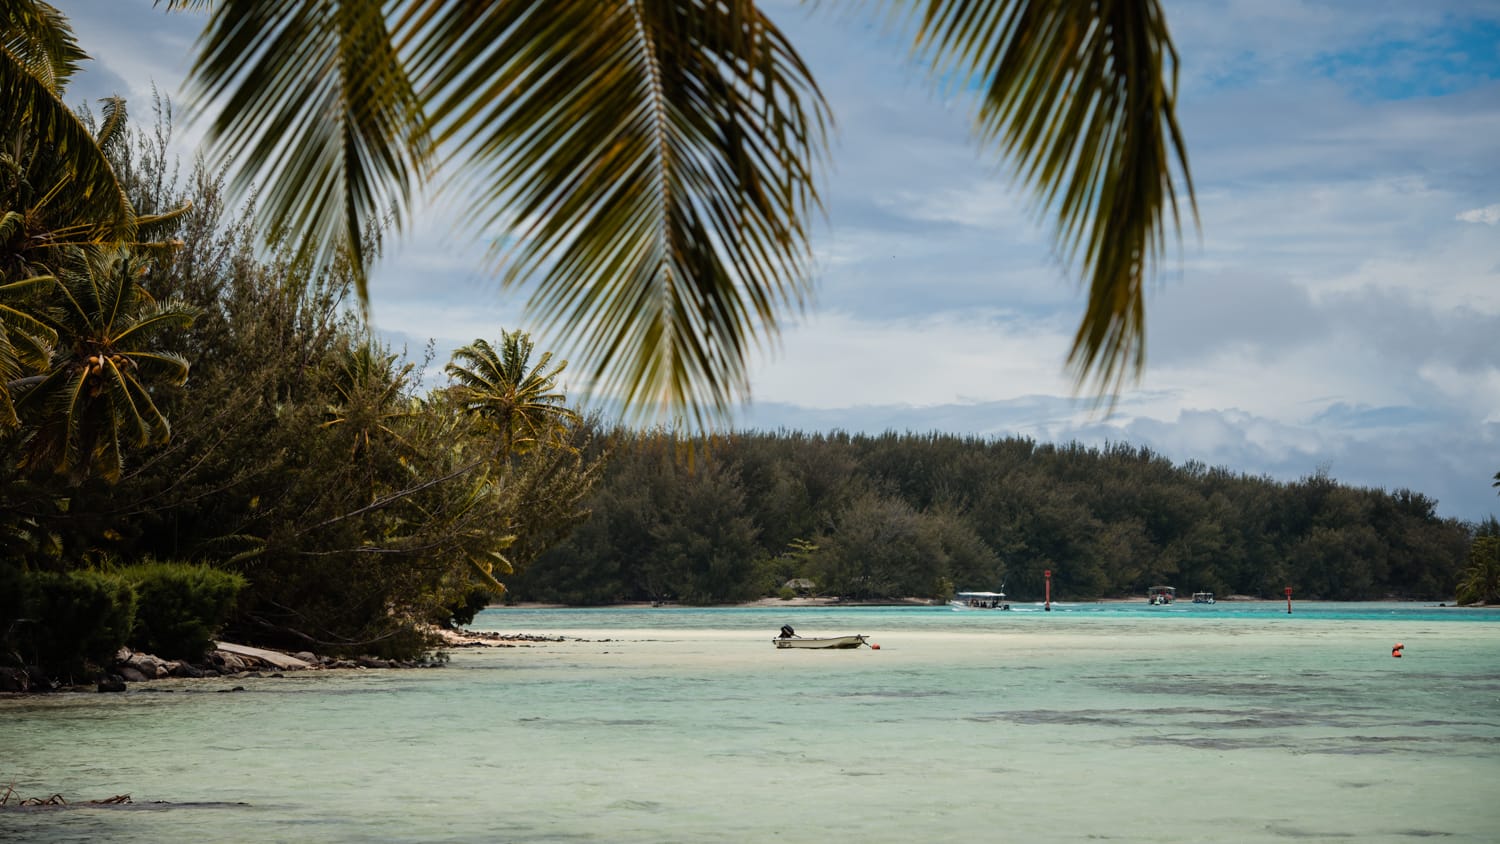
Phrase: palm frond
(1081, 96)
(39, 36)
(169, 316)
(135, 416)
(151, 227)
(318, 108)
(651, 162)
(169, 367)
(97, 206)
(111, 130)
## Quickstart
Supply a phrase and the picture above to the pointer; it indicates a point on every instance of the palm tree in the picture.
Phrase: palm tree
(56, 184)
(520, 402)
(99, 385)
(58, 191)
(368, 397)
(653, 163)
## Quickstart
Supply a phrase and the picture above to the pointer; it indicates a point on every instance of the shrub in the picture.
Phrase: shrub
(81, 618)
(181, 607)
(17, 600)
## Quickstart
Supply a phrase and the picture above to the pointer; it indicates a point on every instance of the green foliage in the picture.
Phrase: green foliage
(1479, 582)
(81, 619)
(461, 612)
(897, 516)
(303, 456)
(519, 401)
(180, 606)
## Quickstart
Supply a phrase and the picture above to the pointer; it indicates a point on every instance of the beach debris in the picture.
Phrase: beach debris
(58, 799)
(1397, 649)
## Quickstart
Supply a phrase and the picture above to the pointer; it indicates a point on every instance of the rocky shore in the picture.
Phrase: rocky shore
(228, 659)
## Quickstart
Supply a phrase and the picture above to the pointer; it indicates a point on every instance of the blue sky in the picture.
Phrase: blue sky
(1339, 310)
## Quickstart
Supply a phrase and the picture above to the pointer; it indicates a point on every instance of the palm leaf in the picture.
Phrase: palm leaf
(653, 163)
(319, 110)
(140, 418)
(39, 36)
(1081, 96)
(111, 132)
(168, 316)
(97, 204)
(165, 366)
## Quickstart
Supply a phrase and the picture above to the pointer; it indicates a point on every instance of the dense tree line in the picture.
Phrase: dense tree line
(174, 391)
(880, 517)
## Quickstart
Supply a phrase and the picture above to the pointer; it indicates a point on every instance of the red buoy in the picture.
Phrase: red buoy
(874, 647)
(1396, 651)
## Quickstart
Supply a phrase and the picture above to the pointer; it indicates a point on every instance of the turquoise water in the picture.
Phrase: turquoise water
(1231, 722)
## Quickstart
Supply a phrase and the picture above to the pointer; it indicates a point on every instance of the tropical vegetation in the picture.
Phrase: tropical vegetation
(897, 516)
(200, 435)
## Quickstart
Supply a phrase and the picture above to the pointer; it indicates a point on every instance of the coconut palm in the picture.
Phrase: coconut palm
(650, 165)
(56, 184)
(520, 402)
(368, 390)
(97, 393)
(58, 191)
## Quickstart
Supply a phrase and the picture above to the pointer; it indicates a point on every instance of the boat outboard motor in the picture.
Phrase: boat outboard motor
(787, 632)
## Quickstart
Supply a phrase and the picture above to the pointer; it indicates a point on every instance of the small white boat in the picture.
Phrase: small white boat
(1203, 598)
(790, 639)
(979, 601)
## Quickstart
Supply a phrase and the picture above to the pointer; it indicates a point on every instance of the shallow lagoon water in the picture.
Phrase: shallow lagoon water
(1231, 722)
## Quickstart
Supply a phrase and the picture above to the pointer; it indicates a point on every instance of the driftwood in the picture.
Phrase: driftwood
(57, 800)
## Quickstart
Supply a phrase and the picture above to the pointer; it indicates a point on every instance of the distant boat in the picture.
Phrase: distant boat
(979, 601)
(1159, 596)
(790, 639)
(1203, 598)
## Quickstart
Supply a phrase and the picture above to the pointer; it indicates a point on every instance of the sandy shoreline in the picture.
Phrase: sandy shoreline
(763, 603)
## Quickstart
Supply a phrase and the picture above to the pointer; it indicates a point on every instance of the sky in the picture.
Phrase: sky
(1337, 310)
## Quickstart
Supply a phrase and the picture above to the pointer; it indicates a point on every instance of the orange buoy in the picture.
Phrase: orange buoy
(874, 647)
(1396, 651)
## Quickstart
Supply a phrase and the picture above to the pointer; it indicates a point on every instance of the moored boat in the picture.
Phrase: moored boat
(1159, 596)
(979, 601)
(790, 639)
(1203, 598)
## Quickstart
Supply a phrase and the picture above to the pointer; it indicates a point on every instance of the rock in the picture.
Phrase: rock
(228, 661)
(186, 669)
(306, 656)
(372, 662)
(133, 674)
(112, 683)
(152, 667)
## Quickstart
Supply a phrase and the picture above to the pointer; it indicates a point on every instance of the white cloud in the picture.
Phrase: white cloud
(1489, 215)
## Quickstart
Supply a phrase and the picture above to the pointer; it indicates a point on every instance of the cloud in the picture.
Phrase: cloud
(1329, 312)
(1489, 215)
